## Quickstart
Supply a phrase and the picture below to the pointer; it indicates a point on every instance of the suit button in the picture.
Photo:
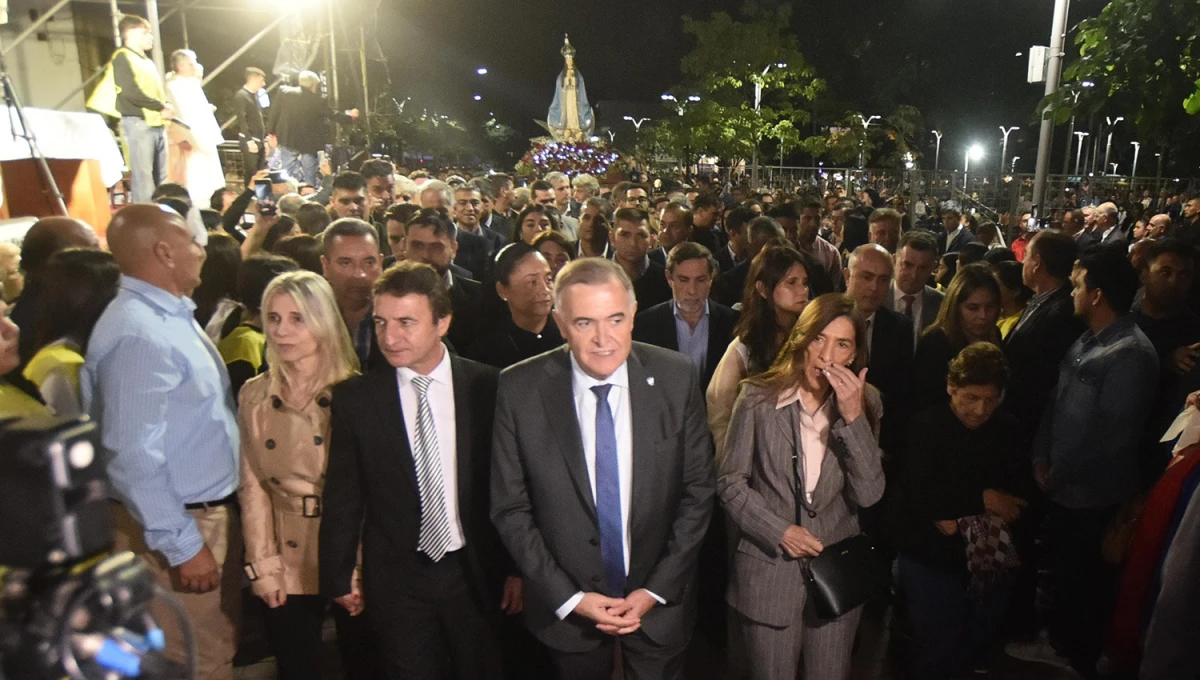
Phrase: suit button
(812, 513)
(275, 481)
(323, 402)
(595, 579)
(276, 402)
(270, 444)
(292, 544)
(841, 442)
(594, 541)
(318, 440)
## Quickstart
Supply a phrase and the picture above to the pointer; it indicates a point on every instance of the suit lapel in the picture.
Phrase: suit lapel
(559, 402)
(391, 420)
(643, 410)
(462, 435)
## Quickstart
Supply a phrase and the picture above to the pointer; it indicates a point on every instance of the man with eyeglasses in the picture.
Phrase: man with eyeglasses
(542, 193)
(430, 239)
(637, 196)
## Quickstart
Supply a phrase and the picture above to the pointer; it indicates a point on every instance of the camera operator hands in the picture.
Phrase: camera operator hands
(199, 574)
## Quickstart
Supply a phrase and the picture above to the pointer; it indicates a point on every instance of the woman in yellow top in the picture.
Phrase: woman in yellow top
(242, 350)
(78, 285)
(13, 402)
(1014, 295)
(284, 418)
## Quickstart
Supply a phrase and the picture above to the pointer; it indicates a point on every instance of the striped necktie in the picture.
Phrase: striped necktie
(435, 525)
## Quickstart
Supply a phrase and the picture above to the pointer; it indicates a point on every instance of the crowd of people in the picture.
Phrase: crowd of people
(508, 431)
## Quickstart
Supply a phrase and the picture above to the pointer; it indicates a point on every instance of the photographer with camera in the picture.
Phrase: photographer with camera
(159, 392)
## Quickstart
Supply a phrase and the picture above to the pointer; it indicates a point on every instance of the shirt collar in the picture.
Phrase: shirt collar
(675, 309)
(1114, 330)
(440, 373)
(1042, 297)
(449, 278)
(792, 396)
(584, 382)
(158, 297)
(898, 294)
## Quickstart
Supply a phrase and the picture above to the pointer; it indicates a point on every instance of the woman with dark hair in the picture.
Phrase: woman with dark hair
(1014, 294)
(556, 249)
(802, 460)
(215, 296)
(533, 220)
(304, 249)
(968, 314)
(777, 289)
(284, 227)
(79, 284)
(524, 283)
(946, 269)
(965, 482)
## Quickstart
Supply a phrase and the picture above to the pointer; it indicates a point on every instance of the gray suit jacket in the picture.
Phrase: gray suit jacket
(757, 484)
(931, 302)
(542, 501)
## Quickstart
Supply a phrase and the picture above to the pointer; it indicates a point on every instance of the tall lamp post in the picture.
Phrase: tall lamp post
(974, 151)
(637, 124)
(937, 153)
(1058, 31)
(1079, 148)
(1004, 146)
(866, 123)
(1137, 147)
(1013, 169)
(1112, 123)
(758, 87)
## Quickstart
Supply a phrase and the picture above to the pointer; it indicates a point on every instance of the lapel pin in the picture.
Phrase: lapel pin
(650, 381)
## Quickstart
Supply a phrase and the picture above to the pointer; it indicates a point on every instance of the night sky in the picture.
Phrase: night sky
(955, 60)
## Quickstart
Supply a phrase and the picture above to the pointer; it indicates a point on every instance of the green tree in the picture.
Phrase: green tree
(1143, 59)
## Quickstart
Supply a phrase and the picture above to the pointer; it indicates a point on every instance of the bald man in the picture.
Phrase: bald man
(1107, 226)
(46, 237)
(889, 338)
(158, 390)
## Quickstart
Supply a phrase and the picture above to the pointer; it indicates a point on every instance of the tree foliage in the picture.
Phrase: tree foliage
(1143, 59)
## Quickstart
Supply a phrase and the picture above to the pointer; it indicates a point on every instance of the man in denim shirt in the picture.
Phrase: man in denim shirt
(1086, 455)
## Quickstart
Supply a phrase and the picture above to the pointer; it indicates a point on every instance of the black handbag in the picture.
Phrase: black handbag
(845, 575)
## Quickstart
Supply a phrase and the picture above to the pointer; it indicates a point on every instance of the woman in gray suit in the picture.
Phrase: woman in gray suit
(802, 457)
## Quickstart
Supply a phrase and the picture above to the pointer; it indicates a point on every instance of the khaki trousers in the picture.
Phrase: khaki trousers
(215, 616)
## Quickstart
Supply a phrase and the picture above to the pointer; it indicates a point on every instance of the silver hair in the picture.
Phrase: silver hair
(552, 177)
(308, 79)
(588, 182)
(441, 187)
(590, 271)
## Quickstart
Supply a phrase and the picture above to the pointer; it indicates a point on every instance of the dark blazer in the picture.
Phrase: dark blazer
(963, 238)
(890, 370)
(300, 119)
(651, 288)
(658, 255)
(729, 286)
(1034, 350)
(931, 365)
(707, 238)
(500, 228)
(1087, 239)
(249, 117)
(724, 258)
(472, 254)
(542, 499)
(465, 299)
(656, 326)
(371, 488)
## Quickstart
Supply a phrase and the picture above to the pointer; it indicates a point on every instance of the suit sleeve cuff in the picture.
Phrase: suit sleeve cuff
(569, 606)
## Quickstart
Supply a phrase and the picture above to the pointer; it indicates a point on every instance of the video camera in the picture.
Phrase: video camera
(68, 606)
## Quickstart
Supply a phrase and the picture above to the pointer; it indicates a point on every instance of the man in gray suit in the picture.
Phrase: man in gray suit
(603, 485)
(916, 258)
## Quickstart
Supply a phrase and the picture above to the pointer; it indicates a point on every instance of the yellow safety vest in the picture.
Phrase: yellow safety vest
(104, 97)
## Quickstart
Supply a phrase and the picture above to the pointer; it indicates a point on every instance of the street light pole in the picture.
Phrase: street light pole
(1079, 150)
(974, 151)
(937, 153)
(866, 122)
(757, 109)
(637, 124)
(1112, 123)
(1058, 30)
(1137, 147)
(1004, 146)
(1013, 170)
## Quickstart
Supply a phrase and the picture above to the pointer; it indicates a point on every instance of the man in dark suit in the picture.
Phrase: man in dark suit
(889, 342)
(955, 235)
(497, 227)
(706, 223)
(430, 239)
(408, 475)
(916, 258)
(468, 205)
(1107, 218)
(630, 240)
(759, 232)
(602, 485)
(736, 249)
(690, 323)
(252, 132)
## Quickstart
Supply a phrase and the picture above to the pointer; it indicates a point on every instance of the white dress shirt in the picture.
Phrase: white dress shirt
(585, 411)
(814, 436)
(918, 305)
(441, 403)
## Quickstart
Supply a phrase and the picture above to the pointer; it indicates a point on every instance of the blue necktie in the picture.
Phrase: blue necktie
(608, 495)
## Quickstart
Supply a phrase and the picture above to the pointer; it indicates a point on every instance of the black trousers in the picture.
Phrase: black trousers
(1082, 585)
(641, 659)
(294, 631)
(252, 162)
(433, 623)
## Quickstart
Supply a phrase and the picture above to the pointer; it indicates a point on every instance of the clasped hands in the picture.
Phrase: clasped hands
(613, 615)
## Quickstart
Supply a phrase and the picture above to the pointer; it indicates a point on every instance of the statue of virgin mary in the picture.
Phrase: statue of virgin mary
(570, 118)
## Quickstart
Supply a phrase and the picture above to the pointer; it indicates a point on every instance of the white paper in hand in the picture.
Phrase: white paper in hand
(1186, 427)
